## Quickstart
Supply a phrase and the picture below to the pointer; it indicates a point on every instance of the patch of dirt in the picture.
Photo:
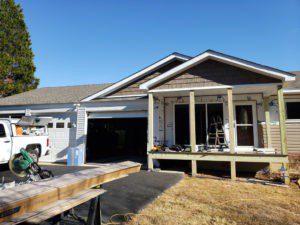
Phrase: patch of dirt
(195, 201)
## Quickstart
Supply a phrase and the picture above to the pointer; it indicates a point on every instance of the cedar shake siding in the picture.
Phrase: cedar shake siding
(133, 88)
(214, 73)
(292, 135)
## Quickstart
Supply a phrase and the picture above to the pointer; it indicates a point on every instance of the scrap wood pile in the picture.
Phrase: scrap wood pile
(172, 148)
(277, 176)
(294, 171)
(184, 148)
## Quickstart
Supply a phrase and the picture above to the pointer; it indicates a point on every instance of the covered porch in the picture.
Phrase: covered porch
(190, 117)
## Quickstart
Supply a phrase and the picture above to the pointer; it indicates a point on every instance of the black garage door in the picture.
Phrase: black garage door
(116, 138)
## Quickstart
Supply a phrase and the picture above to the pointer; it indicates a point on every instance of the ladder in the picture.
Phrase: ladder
(216, 133)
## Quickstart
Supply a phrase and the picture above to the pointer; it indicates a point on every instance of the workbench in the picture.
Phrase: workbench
(57, 211)
(47, 198)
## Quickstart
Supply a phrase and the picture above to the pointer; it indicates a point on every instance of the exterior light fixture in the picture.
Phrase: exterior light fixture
(220, 98)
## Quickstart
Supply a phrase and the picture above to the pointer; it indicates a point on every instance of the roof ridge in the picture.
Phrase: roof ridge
(184, 55)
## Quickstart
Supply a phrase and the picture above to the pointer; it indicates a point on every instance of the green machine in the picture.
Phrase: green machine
(23, 165)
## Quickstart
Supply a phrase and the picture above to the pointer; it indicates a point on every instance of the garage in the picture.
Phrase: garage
(116, 138)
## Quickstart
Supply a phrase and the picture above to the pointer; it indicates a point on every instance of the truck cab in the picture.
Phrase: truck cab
(29, 132)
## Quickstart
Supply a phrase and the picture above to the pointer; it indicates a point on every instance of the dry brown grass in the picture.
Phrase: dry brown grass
(197, 201)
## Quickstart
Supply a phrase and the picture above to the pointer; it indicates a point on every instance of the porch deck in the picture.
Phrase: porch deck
(233, 158)
(220, 156)
(246, 136)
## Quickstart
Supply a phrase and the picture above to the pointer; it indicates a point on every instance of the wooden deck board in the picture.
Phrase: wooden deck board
(30, 197)
(49, 211)
(219, 156)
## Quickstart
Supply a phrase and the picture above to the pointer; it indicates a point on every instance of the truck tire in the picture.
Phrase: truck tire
(34, 153)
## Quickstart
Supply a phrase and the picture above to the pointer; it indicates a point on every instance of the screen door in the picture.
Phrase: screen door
(244, 125)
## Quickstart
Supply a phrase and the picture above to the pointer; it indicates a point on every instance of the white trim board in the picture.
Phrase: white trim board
(118, 115)
(135, 76)
(268, 71)
(213, 87)
(191, 89)
(127, 96)
(17, 111)
(291, 91)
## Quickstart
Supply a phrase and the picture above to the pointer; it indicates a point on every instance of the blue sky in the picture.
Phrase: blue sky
(92, 41)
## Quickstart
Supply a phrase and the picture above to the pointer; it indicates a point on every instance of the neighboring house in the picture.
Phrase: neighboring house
(179, 95)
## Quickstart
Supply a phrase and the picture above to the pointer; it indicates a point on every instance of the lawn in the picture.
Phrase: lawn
(197, 201)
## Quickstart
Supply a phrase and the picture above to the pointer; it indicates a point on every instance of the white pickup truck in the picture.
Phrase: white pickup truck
(29, 132)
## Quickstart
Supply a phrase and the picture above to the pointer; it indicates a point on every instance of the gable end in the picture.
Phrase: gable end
(214, 73)
(133, 88)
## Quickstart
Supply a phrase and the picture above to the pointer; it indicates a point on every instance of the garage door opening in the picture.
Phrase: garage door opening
(116, 138)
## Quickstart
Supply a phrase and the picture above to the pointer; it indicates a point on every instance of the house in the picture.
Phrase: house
(175, 100)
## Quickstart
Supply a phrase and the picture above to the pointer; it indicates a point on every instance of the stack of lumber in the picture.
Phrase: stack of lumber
(30, 197)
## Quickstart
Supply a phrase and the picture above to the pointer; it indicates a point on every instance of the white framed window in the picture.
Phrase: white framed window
(60, 125)
(292, 109)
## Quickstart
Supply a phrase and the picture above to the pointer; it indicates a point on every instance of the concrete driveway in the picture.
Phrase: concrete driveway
(126, 195)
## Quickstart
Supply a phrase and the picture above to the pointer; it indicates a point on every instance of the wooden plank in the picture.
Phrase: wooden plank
(150, 162)
(233, 170)
(267, 117)
(150, 122)
(221, 157)
(281, 109)
(192, 123)
(284, 149)
(56, 208)
(230, 121)
(194, 167)
(33, 196)
(268, 128)
(287, 173)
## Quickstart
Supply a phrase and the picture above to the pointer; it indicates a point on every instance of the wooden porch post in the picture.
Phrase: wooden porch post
(284, 149)
(268, 126)
(193, 130)
(230, 121)
(231, 133)
(281, 111)
(267, 116)
(150, 129)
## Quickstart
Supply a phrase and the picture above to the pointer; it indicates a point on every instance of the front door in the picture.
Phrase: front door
(5, 144)
(245, 124)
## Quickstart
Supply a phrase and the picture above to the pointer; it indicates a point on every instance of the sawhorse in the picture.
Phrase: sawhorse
(56, 212)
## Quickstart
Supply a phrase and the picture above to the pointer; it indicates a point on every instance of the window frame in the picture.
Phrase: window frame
(5, 131)
(196, 102)
(64, 125)
(297, 100)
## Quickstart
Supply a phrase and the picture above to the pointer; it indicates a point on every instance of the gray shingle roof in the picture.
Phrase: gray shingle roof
(48, 95)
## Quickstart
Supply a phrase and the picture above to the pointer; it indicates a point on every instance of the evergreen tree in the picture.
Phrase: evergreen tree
(16, 56)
